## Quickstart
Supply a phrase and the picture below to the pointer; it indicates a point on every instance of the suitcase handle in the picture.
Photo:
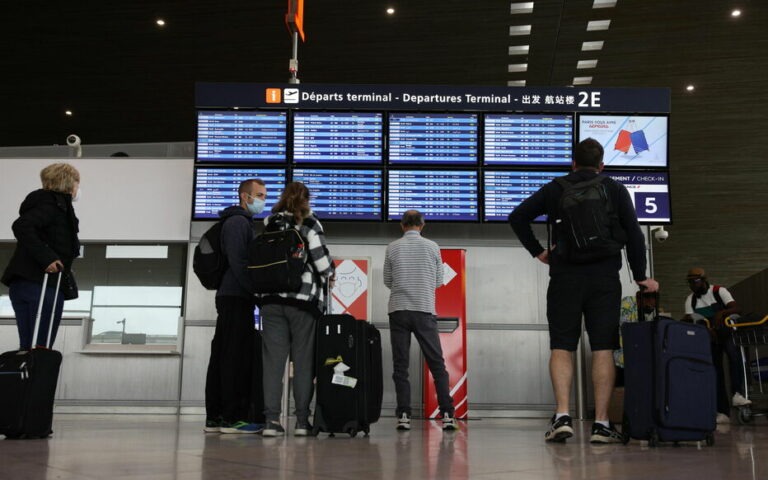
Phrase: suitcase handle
(40, 310)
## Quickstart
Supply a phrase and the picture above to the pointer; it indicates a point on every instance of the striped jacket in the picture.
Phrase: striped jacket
(311, 296)
(413, 269)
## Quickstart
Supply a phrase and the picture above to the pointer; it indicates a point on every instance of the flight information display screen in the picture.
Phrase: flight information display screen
(628, 141)
(441, 195)
(650, 194)
(528, 140)
(343, 194)
(505, 190)
(216, 189)
(337, 137)
(433, 138)
(235, 136)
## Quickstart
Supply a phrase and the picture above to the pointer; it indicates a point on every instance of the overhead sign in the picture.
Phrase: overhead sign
(294, 19)
(431, 97)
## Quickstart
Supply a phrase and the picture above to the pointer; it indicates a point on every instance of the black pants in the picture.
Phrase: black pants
(230, 390)
(424, 327)
(725, 345)
(25, 298)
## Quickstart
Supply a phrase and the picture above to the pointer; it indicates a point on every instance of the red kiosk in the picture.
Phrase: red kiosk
(451, 306)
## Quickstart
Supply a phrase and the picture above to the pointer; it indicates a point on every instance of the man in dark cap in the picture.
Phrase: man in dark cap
(715, 303)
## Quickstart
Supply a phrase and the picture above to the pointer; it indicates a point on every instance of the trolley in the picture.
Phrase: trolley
(750, 334)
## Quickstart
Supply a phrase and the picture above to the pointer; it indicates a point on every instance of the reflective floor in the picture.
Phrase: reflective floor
(169, 447)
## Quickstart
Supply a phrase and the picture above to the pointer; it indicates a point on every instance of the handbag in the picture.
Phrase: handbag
(69, 286)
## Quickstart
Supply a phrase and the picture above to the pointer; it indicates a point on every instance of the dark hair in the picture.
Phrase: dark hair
(588, 153)
(294, 199)
(412, 218)
(245, 185)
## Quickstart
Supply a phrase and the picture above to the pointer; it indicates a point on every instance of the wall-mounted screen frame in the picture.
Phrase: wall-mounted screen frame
(229, 136)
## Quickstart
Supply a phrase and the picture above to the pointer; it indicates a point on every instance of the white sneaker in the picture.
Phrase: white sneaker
(404, 422)
(738, 400)
(722, 418)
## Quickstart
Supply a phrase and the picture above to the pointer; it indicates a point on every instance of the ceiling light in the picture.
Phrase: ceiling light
(519, 30)
(690, 88)
(516, 83)
(584, 64)
(521, 7)
(519, 49)
(160, 22)
(582, 80)
(589, 46)
(390, 11)
(517, 67)
(604, 4)
(736, 13)
(596, 25)
(68, 113)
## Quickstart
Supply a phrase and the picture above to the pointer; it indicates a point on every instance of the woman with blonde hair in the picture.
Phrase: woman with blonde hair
(46, 242)
(289, 318)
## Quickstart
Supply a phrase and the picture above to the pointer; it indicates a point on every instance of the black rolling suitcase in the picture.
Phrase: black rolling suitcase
(28, 384)
(669, 382)
(341, 407)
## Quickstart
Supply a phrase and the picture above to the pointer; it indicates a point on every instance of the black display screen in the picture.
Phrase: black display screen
(235, 136)
(343, 194)
(337, 137)
(442, 195)
(528, 140)
(216, 188)
(433, 138)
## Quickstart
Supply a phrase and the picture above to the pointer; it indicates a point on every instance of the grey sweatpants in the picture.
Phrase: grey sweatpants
(287, 329)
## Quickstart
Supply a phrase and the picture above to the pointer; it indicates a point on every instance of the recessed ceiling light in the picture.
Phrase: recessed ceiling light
(519, 49)
(160, 22)
(520, 7)
(583, 64)
(390, 11)
(68, 113)
(515, 30)
(517, 67)
(588, 46)
(736, 13)
(582, 80)
(516, 83)
(690, 88)
(596, 25)
(604, 3)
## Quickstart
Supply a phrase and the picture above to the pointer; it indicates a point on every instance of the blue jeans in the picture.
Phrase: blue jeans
(25, 297)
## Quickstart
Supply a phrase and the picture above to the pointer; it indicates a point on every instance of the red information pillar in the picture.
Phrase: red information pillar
(451, 306)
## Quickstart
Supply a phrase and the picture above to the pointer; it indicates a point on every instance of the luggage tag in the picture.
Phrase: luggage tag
(340, 379)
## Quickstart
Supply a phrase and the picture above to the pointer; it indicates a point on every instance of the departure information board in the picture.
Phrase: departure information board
(441, 195)
(650, 194)
(337, 137)
(233, 136)
(505, 190)
(343, 194)
(433, 138)
(528, 140)
(216, 189)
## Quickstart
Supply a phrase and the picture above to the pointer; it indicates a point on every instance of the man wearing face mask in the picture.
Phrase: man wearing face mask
(716, 303)
(229, 382)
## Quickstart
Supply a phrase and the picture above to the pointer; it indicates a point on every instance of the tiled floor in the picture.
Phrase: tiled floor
(169, 447)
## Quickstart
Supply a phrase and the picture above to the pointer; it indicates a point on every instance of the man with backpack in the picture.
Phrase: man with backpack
(590, 219)
(715, 303)
(230, 380)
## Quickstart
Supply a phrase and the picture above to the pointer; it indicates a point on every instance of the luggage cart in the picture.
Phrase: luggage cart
(750, 333)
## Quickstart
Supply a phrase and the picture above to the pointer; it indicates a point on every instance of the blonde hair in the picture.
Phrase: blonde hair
(294, 199)
(59, 177)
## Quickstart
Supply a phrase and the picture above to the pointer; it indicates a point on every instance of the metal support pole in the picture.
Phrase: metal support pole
(285, 404)
(293, 63)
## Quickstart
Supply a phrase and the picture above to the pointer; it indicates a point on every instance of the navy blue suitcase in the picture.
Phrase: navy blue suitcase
(356, 343)
(669, 382)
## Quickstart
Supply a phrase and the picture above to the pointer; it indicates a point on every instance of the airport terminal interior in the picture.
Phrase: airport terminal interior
(130, 95)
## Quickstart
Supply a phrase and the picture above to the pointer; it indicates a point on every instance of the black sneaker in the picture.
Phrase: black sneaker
(404, 422)
(603, 434)
(303, 429)
(560, 429)
(273, 429)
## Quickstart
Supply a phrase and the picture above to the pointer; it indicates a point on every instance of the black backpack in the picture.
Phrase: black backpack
(587, 224)
(209, 262)
(277, 258)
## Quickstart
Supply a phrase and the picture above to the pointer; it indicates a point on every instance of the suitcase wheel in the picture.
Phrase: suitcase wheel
(352, 432)
(653, 440)
(710, 439)
(745, 415)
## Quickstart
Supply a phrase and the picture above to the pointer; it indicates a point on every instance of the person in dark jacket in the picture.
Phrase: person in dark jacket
(228, 385)
(46, 234)
(591, 290)
(289, 318)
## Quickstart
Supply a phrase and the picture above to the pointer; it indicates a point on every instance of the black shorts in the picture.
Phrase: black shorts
(597, 298)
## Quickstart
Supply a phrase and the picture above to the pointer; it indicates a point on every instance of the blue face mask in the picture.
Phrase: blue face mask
(256, 207)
